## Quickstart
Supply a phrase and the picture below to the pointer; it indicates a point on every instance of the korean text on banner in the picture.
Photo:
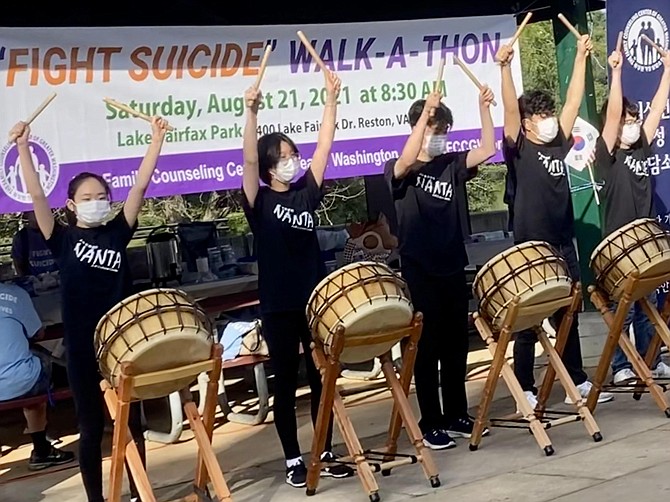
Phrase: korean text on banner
(196, 78)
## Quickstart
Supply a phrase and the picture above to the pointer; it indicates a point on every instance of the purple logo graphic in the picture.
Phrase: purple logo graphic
(12, 179)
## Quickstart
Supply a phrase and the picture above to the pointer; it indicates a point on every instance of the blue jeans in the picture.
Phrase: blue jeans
(644, 332)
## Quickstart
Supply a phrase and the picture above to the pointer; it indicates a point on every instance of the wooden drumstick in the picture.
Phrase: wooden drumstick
(471, 76)
(35, 114)
(569, 26)
(131, 111)
(264, 63)
(619, 41)
(658, 48)
(312, 52)
(520, 29)
(440, 72)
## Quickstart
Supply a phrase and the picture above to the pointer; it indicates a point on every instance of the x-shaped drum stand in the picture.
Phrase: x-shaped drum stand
(539, 419)
(367, 462)
(635, 290)
(124, 449)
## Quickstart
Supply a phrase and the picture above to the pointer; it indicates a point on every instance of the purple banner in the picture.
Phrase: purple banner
(198, 172)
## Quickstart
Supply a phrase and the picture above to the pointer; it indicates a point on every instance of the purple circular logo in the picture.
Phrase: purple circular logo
(12, 178)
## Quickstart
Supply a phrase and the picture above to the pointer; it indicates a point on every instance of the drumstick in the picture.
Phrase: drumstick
(35, 114)
(619, 41)
(658, 48)
(471, 75)
(440, 71)
(131, 111)
(569, 26)
(312, 52)
(264, 62)
(520, 29)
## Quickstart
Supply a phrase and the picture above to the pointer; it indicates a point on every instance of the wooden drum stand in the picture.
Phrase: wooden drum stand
(615, 322)
(540, 419)
(124, 449)
(329, 367)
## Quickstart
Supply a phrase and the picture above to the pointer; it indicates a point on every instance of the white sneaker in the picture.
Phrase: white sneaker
(532, 400)
(661, 371)
(584, 390)
(625, 375)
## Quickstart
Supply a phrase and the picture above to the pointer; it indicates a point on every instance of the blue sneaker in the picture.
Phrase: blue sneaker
(462, 428)
(438, 439)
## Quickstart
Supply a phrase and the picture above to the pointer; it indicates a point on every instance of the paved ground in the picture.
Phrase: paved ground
(631, 463)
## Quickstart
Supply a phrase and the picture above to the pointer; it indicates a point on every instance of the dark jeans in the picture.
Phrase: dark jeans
(284, 332)
(524, 346)
(84, 379)
(443, 301)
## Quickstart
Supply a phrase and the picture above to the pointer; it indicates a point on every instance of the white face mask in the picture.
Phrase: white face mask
(286, 170)
(630, 133)
(93, 212)
(436, 144)
(547, 129)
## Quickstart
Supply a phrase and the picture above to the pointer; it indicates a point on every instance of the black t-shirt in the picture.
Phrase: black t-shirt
(94, 276)
(628, 191)
(286, 246)
(538, 190)
(429, 226)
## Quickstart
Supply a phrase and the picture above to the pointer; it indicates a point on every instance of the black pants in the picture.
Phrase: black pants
(84, 380)
(524, 346)
(284, 332)
(443, 301)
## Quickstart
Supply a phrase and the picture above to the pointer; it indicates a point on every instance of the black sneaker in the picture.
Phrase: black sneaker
(438, 439)
(335, 470)
(55, 457)
(296, 475)
(462, 428)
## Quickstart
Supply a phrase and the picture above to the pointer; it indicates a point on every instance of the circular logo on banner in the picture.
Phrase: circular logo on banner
(12, 180)
(639, 53)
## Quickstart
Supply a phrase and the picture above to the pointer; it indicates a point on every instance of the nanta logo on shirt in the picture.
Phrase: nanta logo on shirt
(96, 257)
(300, 221)
(636, 166)
(442, 190)
(555, 167)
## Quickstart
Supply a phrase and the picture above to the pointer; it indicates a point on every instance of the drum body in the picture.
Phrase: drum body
(364, 298)
(154, 330)
(642, 246)
(531, 271)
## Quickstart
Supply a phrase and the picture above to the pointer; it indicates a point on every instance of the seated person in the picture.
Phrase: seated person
(25, 372)
(29, 250)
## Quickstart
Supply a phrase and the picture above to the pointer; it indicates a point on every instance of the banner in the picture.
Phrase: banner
(196, 77)
(641, 75)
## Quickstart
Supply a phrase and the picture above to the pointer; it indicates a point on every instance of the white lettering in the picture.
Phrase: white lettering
(105, 259)
(302, 221)
(442, 190)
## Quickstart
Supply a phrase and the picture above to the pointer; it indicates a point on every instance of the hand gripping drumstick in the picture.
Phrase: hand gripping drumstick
(130, 111)
(264, 63)
(658, 48)
(520, 29)
(471, 76)
(35, 114)
(312, 52)
(569, 26)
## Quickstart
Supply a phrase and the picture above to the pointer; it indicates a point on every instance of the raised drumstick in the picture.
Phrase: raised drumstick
(264, 63)
(312, 52)
(131, 111)
(35, 114)
(471, 75)
(619, 41)
(440, 72)
(520, 29)
(658, 48)
(569, 26)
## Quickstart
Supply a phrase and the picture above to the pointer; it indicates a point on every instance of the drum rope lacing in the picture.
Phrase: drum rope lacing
(613, 261)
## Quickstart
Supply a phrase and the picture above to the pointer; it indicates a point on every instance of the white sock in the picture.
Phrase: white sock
(293, 462)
